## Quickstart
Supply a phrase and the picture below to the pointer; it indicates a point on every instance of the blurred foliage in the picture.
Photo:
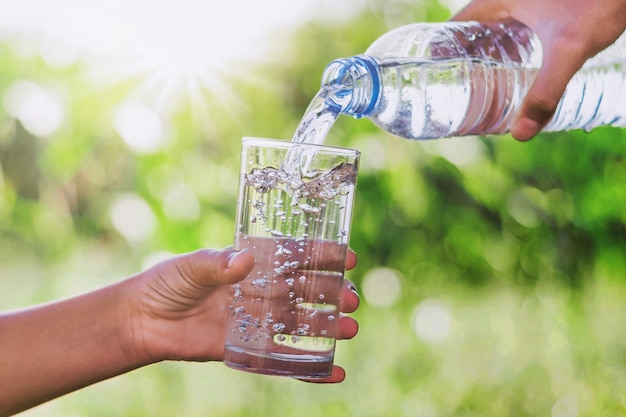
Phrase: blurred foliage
(518, 247)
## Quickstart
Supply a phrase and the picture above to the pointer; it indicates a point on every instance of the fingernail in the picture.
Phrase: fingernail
(233, 256)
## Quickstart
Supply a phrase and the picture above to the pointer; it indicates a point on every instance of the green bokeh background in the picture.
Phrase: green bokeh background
(517, 247)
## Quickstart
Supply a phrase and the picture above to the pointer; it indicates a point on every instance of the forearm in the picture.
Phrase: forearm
(53, 349)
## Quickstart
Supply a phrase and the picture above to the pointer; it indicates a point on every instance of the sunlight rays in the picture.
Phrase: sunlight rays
(168, 55)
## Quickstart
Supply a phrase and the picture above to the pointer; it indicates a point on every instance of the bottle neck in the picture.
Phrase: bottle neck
(353, 85)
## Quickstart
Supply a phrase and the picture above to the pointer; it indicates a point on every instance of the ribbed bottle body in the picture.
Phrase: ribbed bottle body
(469, 78)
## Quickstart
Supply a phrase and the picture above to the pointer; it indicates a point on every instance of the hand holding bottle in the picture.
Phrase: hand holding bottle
(571, 31)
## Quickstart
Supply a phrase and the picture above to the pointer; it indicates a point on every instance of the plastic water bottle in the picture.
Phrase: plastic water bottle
(433, 80)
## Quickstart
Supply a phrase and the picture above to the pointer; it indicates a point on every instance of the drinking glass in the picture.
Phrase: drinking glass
(294, 214)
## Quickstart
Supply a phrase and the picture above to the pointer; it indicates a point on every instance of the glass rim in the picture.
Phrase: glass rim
(287, 144)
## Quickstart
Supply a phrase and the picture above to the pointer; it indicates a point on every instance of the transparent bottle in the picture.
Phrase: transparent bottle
(433, 80)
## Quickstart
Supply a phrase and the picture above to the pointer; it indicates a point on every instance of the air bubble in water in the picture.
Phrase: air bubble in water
(307, 208)
(279, 327)
(237, 296)
(303, 330)
(261, 282)
(281, 250)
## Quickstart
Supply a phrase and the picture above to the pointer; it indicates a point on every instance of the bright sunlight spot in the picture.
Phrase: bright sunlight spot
(139, 126)
(39, 109)
(432, 321)
(132, 218)
(381, 287)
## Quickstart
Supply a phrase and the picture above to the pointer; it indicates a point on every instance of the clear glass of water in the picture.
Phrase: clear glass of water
(294, 214)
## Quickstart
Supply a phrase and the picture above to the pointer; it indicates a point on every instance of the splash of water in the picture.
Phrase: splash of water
(325, 186)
